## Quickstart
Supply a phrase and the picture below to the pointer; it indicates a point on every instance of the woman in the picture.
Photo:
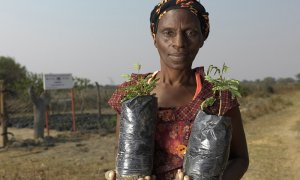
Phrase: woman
(179, 29)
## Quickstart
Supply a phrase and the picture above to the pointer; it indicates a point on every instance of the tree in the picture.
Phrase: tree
(81, 84)
(11, 72)
(286, 80)
(41, 103)
(298, 77)
(268, 84)
(269, 81)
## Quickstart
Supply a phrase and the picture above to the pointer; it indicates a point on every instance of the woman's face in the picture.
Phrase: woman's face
(178, 39)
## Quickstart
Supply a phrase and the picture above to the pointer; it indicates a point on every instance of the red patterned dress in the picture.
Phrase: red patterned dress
(174, 124)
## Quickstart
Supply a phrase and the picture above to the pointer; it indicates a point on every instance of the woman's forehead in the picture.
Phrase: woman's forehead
(179, 17)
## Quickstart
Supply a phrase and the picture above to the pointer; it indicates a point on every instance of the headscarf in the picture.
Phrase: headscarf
(191, 5)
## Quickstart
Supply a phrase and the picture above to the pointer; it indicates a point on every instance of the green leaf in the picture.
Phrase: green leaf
(139, 88)
(220, 83)
(126, 76)
(224, 68)
(137, 66)
(208, 102)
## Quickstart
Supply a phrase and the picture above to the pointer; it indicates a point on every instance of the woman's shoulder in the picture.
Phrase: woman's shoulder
(116, 98)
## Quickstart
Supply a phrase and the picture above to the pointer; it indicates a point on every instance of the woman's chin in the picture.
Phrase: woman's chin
(180, 64)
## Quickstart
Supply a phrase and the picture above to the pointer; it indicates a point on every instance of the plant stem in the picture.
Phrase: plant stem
(220, 106)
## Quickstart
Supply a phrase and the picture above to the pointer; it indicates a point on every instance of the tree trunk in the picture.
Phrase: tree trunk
(40, 107)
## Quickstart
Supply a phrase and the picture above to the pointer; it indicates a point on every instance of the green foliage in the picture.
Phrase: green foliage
(34, 80)
(137, 67)
(269, 81)
(17, 79)
(286, 80)
(141, 86)
(208, 102)
(11, 72)
(220, 83)
(82, 83)
(298, 77)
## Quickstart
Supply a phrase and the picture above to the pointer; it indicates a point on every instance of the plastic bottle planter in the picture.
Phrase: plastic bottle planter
(208, 148)
(136, 140)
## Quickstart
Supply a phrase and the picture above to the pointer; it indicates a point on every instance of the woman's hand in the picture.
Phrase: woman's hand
(111, 175)
(180, 175)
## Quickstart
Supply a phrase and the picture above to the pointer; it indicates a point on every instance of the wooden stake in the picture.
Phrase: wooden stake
(3, 125)
(47, 122)
(73, 110)
(99, 101)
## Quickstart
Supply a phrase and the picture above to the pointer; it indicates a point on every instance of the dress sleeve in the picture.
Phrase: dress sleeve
(116, 98)
(228, 102)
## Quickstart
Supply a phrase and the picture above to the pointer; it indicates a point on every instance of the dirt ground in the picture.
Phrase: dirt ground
(273, 143)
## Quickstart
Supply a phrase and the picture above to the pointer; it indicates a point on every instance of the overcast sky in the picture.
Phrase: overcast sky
(100, 40)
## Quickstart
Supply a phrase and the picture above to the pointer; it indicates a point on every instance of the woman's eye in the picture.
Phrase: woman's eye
(168, 33)
(191, 33)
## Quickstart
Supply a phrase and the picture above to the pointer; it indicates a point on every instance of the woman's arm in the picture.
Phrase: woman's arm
(238, 159)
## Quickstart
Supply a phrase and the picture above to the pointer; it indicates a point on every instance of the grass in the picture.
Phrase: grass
(297, 127)
(254, 107)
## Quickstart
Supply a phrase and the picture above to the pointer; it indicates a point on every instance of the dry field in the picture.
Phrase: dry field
(273, 142)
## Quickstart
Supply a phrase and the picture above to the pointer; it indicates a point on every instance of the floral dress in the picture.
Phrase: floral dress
(174, 124)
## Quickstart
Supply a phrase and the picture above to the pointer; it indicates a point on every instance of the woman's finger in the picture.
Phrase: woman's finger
(110, 175)
(147, 178)
(179, 175)
(186, 178)
(106, 174)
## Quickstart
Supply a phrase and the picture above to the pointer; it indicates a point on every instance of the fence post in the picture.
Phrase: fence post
(98, 101)
(3, 125)
(73, 110)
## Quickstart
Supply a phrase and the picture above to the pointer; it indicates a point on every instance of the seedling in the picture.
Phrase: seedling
(141, 86)
(220, 83)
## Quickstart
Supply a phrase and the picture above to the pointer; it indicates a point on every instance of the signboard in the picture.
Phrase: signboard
(58, 81)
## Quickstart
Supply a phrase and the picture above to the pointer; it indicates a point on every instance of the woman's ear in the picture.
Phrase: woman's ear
(154, 41)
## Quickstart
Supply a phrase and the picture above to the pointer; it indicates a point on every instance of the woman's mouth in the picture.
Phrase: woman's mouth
(178, 56)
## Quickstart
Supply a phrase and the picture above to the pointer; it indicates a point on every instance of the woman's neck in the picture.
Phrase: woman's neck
(173, 77)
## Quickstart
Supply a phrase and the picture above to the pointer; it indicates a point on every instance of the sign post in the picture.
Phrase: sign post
(61, 81)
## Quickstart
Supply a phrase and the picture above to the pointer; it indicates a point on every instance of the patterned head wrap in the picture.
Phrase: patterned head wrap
(191, 5)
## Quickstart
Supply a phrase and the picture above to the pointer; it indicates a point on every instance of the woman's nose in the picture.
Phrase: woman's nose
(179, 41)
